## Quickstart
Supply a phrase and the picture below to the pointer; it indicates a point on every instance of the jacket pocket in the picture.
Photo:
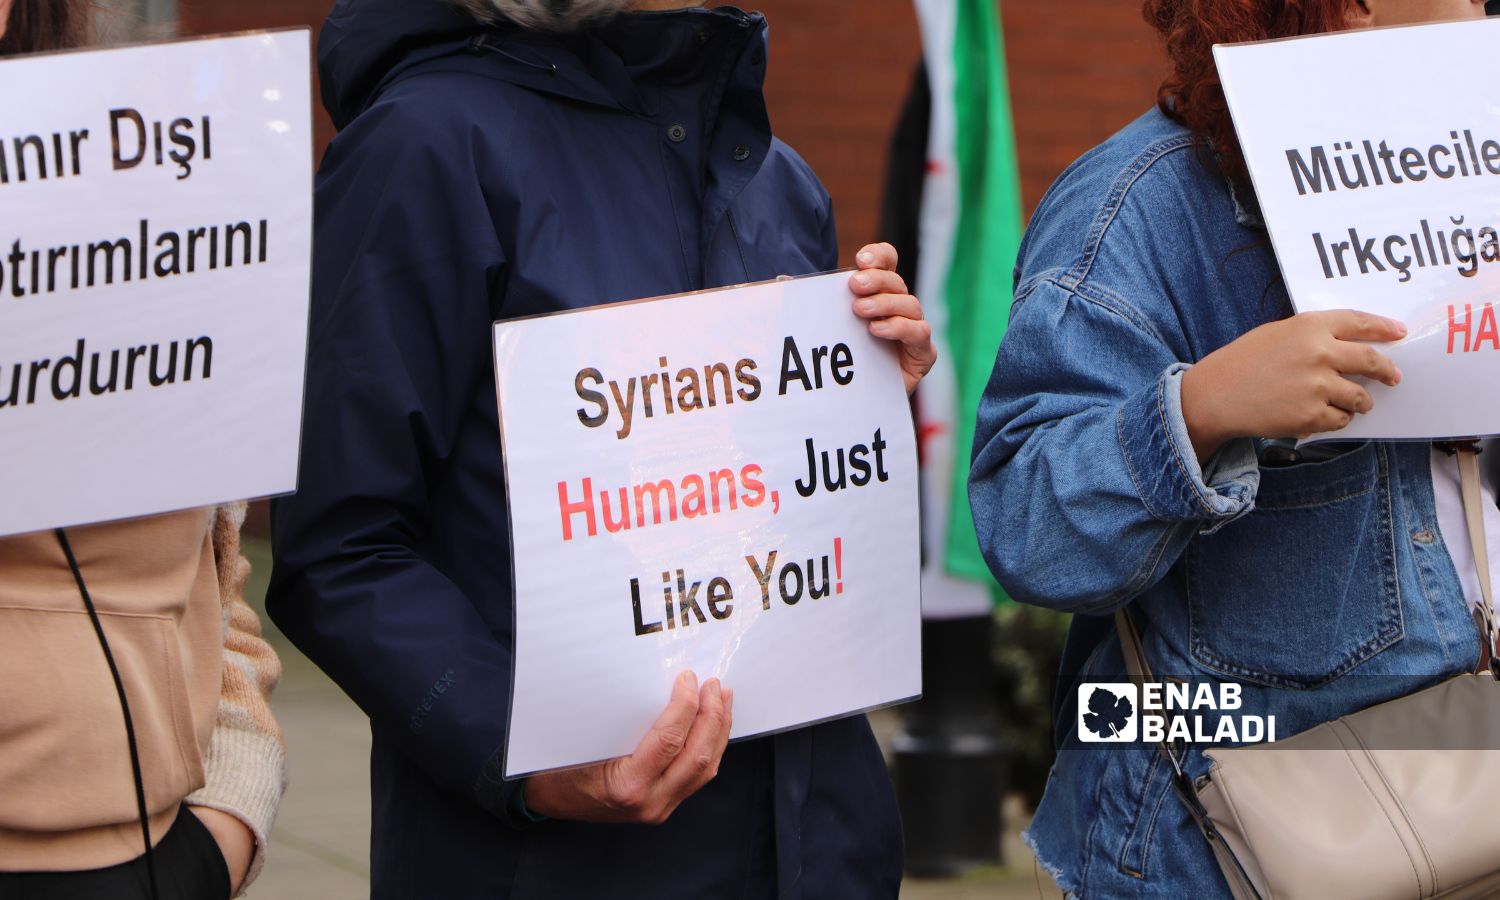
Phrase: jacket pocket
(66, 763)
(1304, 588)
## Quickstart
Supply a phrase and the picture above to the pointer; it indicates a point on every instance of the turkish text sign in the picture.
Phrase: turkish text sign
(724, 482)
(1376, 160)
(155, 231)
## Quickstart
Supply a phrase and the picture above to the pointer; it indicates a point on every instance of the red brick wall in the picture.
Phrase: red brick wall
(1079, 72)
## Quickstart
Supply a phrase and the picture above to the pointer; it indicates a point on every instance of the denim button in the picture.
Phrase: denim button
(1425, 536)
(677, 134)
(741, 153)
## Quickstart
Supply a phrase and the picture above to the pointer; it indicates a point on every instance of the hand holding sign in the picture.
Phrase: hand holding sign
(1387, 200)
(679, 755)
(730, 491)
(894, 313)
(1290, 378)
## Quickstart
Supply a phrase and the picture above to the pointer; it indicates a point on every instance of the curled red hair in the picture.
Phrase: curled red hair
(1192, 94)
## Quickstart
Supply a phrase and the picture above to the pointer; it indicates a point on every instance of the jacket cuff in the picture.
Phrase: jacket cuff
(506, 800)
(518, 806)
(245, 776)
(1162, 463)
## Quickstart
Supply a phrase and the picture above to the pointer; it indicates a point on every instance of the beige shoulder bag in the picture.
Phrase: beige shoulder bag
(1334, 812)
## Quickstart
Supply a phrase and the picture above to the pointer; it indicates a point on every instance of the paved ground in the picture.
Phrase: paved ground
(321, 843)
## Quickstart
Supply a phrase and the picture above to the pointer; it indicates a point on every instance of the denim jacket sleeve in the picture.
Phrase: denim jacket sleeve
(1084, 486)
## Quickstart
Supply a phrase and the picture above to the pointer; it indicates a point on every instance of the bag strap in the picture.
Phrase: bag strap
(1469, 481)
(1140, 674)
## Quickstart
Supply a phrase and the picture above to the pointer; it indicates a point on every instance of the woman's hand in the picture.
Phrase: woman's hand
(235, 841)
(1291, 378)
(895, 314)
(678, 756)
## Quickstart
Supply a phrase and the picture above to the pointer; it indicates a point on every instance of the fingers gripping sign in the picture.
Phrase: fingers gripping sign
(677, 757)
(893, 313)
(1291, 378)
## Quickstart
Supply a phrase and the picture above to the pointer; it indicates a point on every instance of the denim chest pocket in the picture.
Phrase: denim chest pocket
(1304, 588)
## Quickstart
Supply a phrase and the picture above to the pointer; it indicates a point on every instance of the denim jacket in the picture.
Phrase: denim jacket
(1320, 587)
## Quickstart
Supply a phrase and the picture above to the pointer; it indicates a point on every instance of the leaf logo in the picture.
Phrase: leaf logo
(1107, 713)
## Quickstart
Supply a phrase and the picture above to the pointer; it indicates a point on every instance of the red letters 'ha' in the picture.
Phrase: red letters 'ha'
(1455, 328)
(1488, 330)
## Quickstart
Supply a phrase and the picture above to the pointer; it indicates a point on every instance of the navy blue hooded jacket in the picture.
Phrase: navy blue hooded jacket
(483, 173)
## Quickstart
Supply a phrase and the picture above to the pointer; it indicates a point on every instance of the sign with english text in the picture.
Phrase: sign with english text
(155, 236)
(1376, 161)
(723, 482)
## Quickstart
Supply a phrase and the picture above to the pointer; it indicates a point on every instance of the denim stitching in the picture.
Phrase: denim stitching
(1116, 198)
(1137, 582)
(1317, 504)
(1213, 662)
(1161, 797)
(1323, 493)
(1206, 658)
(1160, 550)
(1143, 574)
(1392, 578)
(1424, 572)
(1354, 658)
(1392, 624)
(1093, 295)
(1140, 805)
(1161, 412)
(1129, 469)
(1088, 838)
(1028, 287)
(1108, 299)
(1088, 858)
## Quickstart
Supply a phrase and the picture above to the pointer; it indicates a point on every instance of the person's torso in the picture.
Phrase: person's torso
(1336, 592)
(67, 795)
(680, 187)
(585, 203)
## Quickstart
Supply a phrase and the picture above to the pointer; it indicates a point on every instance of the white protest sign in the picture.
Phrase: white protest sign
(724, 482)
(1376, 160)
(155, 236)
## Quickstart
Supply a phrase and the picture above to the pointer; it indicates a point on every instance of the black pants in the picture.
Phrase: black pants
(189, 866)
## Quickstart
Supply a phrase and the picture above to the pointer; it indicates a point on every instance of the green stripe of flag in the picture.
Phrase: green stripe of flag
(978, 290)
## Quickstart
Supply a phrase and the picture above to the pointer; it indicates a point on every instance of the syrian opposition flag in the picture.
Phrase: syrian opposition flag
(970, 227)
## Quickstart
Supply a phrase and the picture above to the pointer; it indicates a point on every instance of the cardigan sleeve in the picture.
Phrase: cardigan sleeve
(246, 768)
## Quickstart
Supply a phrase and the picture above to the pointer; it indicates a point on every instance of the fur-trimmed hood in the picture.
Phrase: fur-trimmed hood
(548, 15)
